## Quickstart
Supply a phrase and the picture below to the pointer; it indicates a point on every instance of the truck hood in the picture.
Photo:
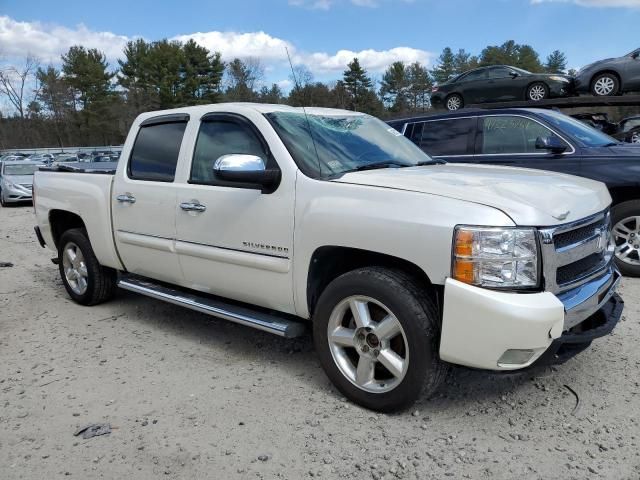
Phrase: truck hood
(529, 197)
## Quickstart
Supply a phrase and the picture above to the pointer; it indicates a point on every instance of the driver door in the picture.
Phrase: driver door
(632, 72)
(233, 240)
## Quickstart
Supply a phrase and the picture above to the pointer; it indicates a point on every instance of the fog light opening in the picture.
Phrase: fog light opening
(515, 357)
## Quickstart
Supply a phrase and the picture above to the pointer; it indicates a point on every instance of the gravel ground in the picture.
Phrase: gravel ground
(193, 397)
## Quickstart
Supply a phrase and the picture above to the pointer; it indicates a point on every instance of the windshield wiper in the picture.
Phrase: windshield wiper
(376, 165)
(433, 161)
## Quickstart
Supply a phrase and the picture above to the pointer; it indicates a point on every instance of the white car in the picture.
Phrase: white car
(277, 217)
(16, 180)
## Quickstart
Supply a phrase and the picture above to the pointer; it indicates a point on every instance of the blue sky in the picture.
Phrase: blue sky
(324, 34)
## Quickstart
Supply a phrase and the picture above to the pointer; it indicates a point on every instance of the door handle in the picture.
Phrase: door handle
(126, 198)
(192, 207)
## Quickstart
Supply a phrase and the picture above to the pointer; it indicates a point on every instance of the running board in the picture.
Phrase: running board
(278, 325)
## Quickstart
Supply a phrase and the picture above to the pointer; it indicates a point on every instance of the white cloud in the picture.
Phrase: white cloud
(48, 42)
(595, 3)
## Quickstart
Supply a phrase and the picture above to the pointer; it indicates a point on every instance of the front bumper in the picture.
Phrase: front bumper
(486, 329)
(561, 89)
(16, 193)
(581, 83)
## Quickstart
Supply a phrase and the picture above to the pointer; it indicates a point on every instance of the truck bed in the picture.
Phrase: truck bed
(106, 168)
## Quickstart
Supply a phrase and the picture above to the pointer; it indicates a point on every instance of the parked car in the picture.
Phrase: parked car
(547, 140)
(16, 180)
(402, 263)
(628, 130)
(65, 158)
(499, 83)
(612, 76)
(12, 157)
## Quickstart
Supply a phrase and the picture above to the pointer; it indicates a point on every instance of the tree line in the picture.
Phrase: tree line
(86, 102)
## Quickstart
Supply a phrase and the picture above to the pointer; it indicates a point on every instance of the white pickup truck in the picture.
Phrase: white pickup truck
(277, 217)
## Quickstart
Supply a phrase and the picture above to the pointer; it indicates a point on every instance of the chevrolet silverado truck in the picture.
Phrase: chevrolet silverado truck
(276, 217)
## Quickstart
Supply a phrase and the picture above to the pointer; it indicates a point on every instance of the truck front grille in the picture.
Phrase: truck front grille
(574, 253)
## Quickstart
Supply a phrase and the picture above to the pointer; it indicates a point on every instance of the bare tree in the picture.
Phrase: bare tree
(16, 81)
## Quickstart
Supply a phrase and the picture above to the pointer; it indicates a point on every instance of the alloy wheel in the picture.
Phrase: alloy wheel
(75, 269)
(537, 93)
(454, 103)
(604, 86)
(626, 234)
(635, 137)
(368, 344)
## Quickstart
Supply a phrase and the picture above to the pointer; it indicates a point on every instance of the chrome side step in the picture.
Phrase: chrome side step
(278, 325)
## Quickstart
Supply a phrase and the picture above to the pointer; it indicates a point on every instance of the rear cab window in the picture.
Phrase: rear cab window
(154, 155)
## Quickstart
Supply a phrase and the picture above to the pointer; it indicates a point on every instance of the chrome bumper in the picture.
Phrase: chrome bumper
(583, 301)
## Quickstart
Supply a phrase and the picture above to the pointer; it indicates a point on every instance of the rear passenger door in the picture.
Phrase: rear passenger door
(451, 139)
(511, 140)
(144, 200)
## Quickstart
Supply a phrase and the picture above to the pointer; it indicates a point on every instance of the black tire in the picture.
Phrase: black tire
(415, 310)
(606, 78)
(537, 91)
(619, 213)
(101, 281)
(454, 102)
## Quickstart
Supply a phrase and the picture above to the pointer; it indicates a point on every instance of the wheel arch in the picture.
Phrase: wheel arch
(61, 221)
(623, 194)
(329, 262)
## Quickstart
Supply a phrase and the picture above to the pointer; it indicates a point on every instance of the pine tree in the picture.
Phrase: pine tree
(445, 66)
(556, 62)
(419, 87)
(394, 87)
(357, 84)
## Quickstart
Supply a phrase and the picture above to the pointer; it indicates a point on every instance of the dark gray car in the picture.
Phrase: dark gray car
(612, 76)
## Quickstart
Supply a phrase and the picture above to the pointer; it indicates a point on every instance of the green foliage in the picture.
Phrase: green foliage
(445, 66)
(556, 62)
(513, 54)
(359, 89)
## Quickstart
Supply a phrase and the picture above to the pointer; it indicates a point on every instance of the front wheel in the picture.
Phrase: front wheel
(86, 281)
(454, 102)
(634, 137)
(537, 91)
(376, 333)
(605, 85)
(626, 234)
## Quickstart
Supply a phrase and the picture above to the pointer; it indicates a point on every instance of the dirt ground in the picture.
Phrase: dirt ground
(193, 397)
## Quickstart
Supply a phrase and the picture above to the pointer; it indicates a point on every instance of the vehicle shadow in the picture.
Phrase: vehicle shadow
(297, 357)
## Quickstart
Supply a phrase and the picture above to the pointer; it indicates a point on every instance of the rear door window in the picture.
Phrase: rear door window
(155, 153)
(414, 132)
(448, 137)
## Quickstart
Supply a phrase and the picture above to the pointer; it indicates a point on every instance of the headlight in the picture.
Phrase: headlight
(495, 257)
(9, 184)
(558, 79)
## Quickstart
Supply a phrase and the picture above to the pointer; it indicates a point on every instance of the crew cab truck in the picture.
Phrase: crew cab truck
(276, 217)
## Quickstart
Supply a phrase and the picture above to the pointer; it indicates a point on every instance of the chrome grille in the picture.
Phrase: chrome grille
(574, 253)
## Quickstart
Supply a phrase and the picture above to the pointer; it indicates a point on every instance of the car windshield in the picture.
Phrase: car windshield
(589, 136)
(637, 50)
(341, 143)
(24, 169)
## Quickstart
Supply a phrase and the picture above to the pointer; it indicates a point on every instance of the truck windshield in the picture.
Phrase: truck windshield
(589, 136)
(27, 169)
(342, 143)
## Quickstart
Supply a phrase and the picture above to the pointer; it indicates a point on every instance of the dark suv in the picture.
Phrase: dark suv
(547, 140)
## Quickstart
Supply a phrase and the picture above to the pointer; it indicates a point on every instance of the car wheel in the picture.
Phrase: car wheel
(626, 234)
(537, 91)
(2, 202)
(605, 85)
(454, 102)
(86, 281)
(634, 137)
(376, 333)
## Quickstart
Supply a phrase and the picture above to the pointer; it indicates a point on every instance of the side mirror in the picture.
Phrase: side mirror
(514, 74)
(248, 169)
(635, 55)
(553, 144)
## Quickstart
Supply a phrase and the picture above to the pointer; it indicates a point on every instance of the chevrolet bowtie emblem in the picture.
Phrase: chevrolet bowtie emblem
(562, 216)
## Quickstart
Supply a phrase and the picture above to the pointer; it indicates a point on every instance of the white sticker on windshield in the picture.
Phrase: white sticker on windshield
(394, 131)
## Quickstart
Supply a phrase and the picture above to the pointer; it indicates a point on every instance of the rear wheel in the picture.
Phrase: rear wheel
(86, 281)
(376, 333)
(454, 102)
(626, 233)
(634, 137)
(605, 85)
(537, 91)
